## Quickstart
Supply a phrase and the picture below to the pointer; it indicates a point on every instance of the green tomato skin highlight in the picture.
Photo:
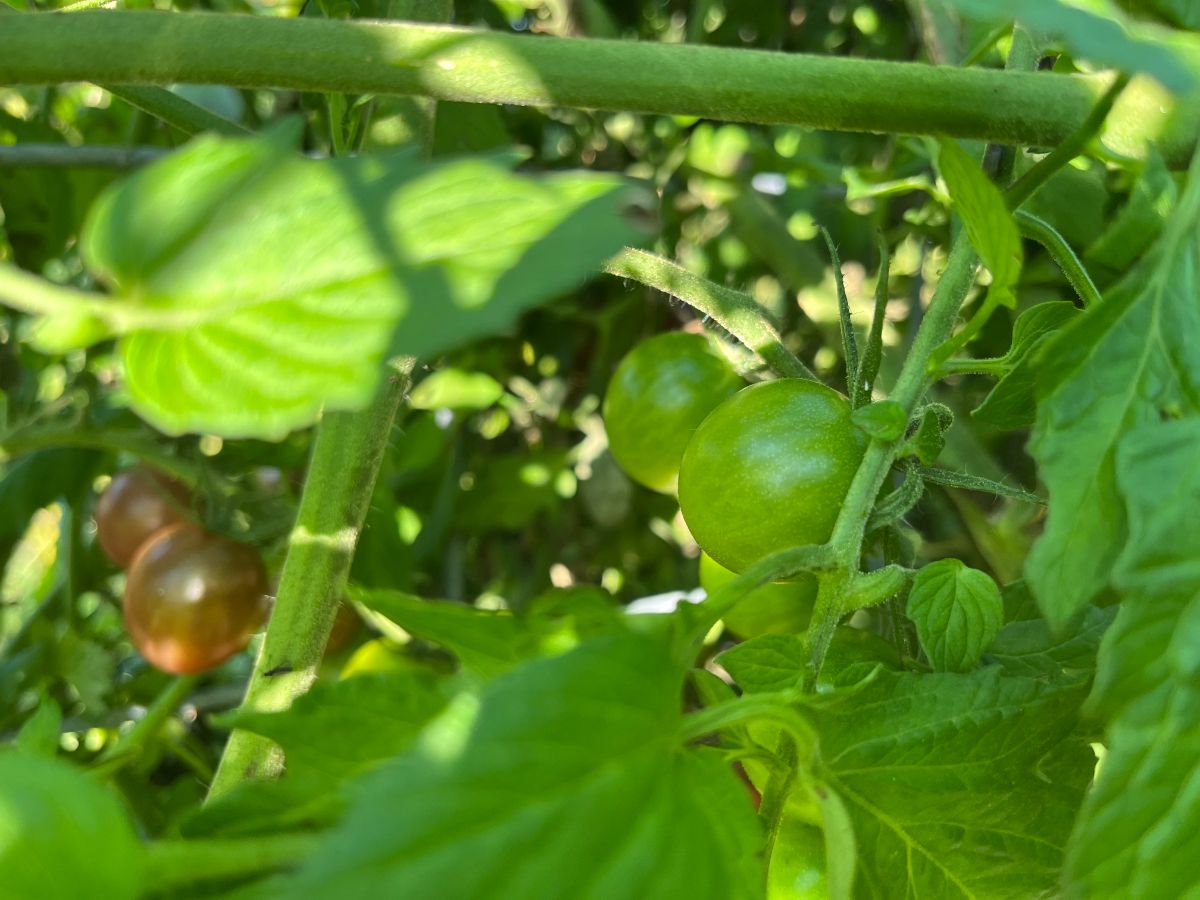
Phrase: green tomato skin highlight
(659, 393)
(797, 868)
(768, 470)
(780, 608)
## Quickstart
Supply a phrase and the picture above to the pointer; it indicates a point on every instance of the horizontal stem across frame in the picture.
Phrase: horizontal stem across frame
(836, 93)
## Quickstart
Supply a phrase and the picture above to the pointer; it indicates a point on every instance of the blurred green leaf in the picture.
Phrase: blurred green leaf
(62, 836)
(576, 756)
(40, 733)
(263, 286)
(883, 419)
(487, 642)
(340, 728)
(452, 388)
(1139, 221)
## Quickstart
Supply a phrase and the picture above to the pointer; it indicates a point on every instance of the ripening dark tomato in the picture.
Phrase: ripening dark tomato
(139, 501)
(658, 395)
(780, 608)
(768, 470)
(193, 599)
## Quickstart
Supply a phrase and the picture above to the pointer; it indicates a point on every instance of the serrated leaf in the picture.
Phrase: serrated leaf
(956, 785)
(957, 611)
(1104, 38)
(883, 419)
(1139, 827)
(342, 727)
(259, 286)
(1122, 364)
(451, 388)
(62, 836)
(989, 224)
(576, 756)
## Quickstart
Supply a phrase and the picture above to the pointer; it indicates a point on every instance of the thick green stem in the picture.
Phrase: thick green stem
(838, 93)
(175, 863)
(736, 312)
(346, 456)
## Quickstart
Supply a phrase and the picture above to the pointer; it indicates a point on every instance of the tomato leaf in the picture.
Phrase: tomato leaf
(1012, 402)
(576, 756)
(487, 642)
(957, 611)
(258, 285)
(40, 734)
(956, 785)
(1123, 363)
(1138, 827)
(990, 226)
(1030, 647)
(342, 727)
(1139, 221)
(62, 835)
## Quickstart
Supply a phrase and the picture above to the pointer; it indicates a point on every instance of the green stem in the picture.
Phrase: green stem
(779, 786)
(126, 748)
(1060, 251)
(913, 382)
(88, 156)
(734, 311)
(996, 367)
(775, 707)
(347, 453)
(25, 292)
(176, 863)
(306, 54)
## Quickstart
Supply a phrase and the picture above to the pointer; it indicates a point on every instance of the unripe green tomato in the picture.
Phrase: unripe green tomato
(768, 470)
(797, 869)
(780, 608)
(658, 395)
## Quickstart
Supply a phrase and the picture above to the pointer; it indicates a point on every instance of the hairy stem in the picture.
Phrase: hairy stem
(1060, 251)
(150, 48)
(734, 311)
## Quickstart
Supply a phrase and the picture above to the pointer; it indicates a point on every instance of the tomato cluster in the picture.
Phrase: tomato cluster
(192, 598)
(757, 469)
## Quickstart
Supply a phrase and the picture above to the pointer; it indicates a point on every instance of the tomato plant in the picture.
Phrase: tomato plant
(192, 599)
(749, 449)
(658, 395)
(769, 469)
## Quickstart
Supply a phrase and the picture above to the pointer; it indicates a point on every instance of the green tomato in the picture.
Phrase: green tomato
(797, 867)
(768, 470)
(658, 395)
(781, 608)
